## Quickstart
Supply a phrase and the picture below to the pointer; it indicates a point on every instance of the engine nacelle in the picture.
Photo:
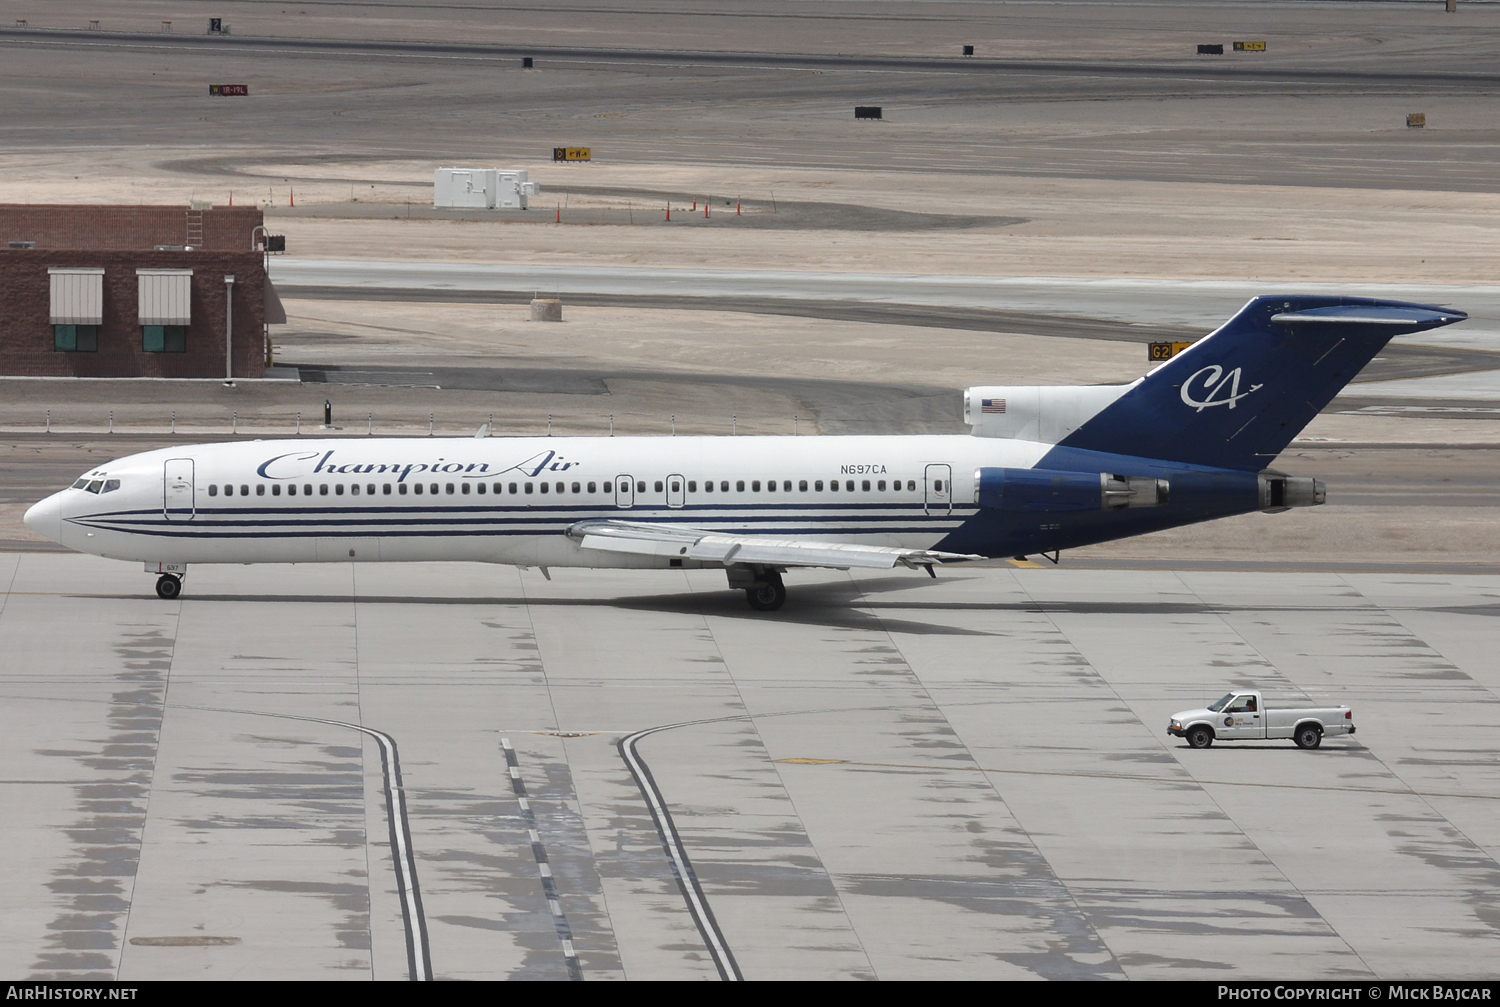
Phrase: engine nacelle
(1049, 491)
(1035, 413)
(1279, 492)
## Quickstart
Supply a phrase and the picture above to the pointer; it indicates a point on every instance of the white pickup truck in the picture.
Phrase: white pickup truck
(1242, 715)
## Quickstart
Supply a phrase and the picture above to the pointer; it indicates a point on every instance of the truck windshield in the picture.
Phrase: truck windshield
(1221, 702)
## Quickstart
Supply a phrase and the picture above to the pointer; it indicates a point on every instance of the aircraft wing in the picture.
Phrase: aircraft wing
(675, 541)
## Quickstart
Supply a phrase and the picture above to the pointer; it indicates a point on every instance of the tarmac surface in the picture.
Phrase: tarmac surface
(462, 771)
(893, 778)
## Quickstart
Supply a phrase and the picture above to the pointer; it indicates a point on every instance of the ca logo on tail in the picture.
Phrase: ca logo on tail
(1214, 381)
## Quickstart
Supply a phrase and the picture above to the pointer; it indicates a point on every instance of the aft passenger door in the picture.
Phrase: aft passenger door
(676, 491)
(624, 492)
(938, 496)
(177, 503)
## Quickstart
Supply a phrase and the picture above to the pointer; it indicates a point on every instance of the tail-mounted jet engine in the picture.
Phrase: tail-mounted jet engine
(1048, 491)
(1279, 492)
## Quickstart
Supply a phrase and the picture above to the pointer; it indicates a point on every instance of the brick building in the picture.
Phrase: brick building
(133, 291)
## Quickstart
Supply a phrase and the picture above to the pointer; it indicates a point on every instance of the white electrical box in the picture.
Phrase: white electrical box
(481, 188)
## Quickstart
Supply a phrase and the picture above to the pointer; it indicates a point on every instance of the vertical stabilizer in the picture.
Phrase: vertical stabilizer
(1237, 397)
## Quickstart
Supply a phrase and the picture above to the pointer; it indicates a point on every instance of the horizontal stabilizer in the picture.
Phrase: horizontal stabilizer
(1405, 317)
(643, 538)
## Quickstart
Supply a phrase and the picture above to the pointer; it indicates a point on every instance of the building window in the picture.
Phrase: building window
(164, 338)
(75, 338)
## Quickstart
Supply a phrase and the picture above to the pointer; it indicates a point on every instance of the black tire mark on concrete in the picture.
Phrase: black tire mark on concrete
(418, 951)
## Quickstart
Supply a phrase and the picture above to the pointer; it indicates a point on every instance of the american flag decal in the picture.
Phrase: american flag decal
(991, 406)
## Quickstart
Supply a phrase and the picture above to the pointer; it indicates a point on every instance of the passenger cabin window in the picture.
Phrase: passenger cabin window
(338, 489)
(640, 487)
(513, 488)
(865, 485)
(755, 486)
(833, 485)
(739, 486)
(401, 489)
(575, 488)
(544, 487)
(692, 486)
(479, 488)
(260, 489)
(592, 488)
(562, 487)
(724, 486)
(370, 488)
(213, 490)
(708, 486)
(354, 489)
(937, 484)
(658, 485)
(528, 487)
(463, 487)
(449, 488)
(276, 489)
(322, 489)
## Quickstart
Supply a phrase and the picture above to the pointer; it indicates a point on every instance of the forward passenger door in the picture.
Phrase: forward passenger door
(624, 492)
(177, 498)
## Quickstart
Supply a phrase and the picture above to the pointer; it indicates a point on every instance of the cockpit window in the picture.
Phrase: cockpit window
(80, 484)
(95, 486)
(110, 485)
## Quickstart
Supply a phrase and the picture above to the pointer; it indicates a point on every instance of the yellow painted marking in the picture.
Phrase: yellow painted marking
(813, 762)
(1024, 564)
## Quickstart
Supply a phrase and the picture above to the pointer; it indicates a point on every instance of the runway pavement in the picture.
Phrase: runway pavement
(892, 778)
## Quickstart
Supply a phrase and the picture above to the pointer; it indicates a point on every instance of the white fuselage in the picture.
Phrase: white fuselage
(510, 500)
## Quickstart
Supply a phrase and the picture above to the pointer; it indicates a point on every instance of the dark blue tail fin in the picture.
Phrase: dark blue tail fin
(1237, 397)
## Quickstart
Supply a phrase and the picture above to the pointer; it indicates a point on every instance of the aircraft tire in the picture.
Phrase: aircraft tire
(768, 597)
(1200, 737)
(168, 587)
(1308, 736)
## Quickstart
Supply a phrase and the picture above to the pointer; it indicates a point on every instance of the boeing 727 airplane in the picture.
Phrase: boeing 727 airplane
(1044, 469)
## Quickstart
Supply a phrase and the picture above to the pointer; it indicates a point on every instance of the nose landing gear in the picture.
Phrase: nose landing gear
(168, 586)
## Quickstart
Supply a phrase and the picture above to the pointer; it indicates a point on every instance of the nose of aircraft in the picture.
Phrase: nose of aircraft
(45, 517)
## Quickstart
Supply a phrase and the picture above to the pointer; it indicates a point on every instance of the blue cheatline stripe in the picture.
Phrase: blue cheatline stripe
(604, 509)
(132, 520)
(186, 532)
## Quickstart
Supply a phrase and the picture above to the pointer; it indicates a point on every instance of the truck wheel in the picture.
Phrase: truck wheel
(1200, 737)
(1308, 736)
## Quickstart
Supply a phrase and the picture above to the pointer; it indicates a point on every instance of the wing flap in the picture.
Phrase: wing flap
(674, 541)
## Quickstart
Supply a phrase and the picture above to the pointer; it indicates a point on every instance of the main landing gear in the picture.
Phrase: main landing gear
(168, 586)
(769, 595)
(762, 586)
